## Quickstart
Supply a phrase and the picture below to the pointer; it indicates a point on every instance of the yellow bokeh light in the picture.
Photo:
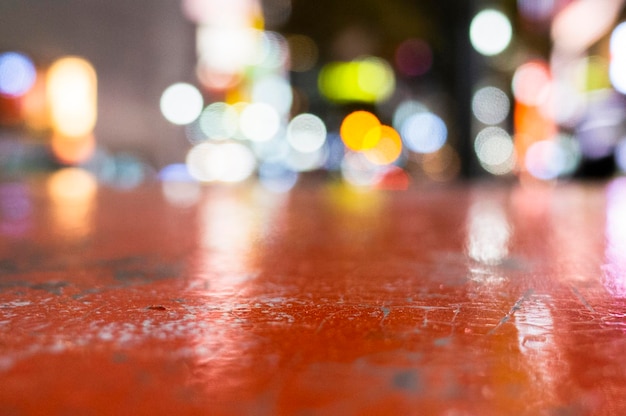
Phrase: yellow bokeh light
(388, 148)
(72, 96)
(360, 130)
(368, 80)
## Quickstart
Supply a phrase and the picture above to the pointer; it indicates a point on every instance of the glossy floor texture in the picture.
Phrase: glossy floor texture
(470, 300)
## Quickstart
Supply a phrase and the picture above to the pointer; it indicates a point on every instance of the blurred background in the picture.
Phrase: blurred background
(376, 94)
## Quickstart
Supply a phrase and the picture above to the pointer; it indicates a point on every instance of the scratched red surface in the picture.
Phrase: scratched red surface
(466, 300)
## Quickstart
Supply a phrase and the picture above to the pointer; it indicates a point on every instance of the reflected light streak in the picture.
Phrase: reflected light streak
(536, 341)
(229, 226)
(615, 267)
(72, 193)
(15, 209)
(178, 186)
(488, 232)
(181, 193)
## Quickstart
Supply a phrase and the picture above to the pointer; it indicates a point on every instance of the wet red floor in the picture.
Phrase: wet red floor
(470, 300)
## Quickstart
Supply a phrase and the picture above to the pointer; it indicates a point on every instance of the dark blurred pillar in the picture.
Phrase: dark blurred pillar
(465, 76)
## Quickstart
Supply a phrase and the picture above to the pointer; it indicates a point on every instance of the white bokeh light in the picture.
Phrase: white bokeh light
(546, 159)
(490, 32)
(237, 162)
(617, 67)
(181, 103)
(259, 122)
(275, 91)
(219, 121)
(306, 133)
(495, 150)
(225, 162)
(490, 105)
(424, 132)
(199, 160)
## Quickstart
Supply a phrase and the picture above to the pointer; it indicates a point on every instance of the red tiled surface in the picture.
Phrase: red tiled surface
(469, 300)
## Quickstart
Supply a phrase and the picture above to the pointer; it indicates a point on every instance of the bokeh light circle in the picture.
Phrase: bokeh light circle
(275, 91)
(388, 148)
(305, 162)
(237, 162)
(259, 122)
(181, 103)
(225, 162)
(490, 105)
(303, 52)
(545, 159)
(276, 177)
(17, 74)
(405, 110)
(495, 150)
(617, 67)
(531, 82)
(360, 130)
(198, 162)
(306, 133)
(424, 132)
(490, 32)
(219, 121)
(413, 57)
(357, 170)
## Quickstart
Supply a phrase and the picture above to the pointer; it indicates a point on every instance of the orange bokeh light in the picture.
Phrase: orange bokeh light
(70, 150)
(387, 149)
(360, 130)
